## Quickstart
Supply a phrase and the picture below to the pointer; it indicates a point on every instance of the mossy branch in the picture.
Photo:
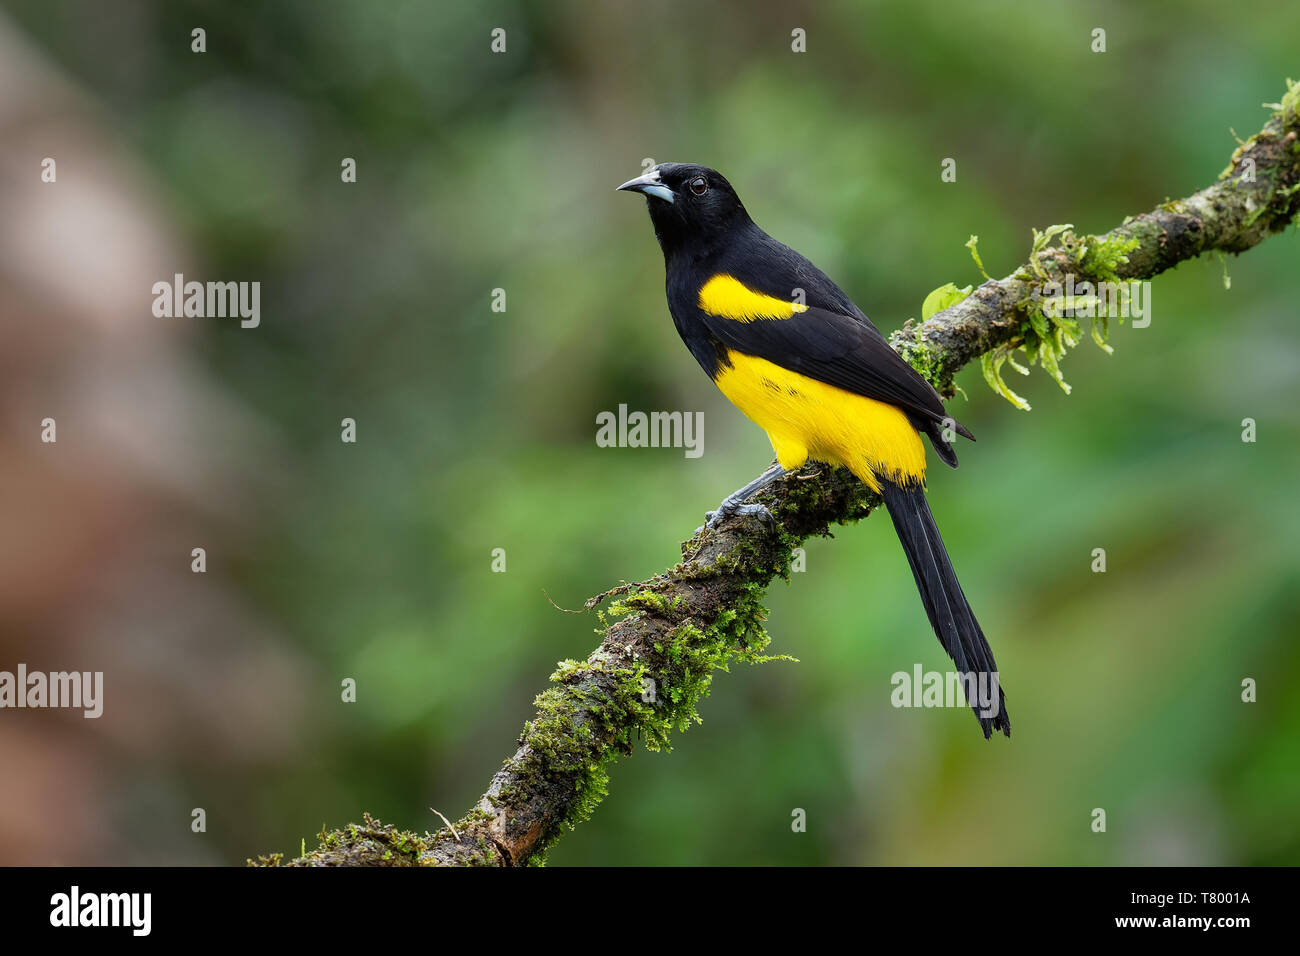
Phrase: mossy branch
(663, 641)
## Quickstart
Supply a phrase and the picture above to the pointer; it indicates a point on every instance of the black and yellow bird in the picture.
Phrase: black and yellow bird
(788, 348)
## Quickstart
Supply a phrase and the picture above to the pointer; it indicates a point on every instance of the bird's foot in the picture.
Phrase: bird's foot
(731, 507)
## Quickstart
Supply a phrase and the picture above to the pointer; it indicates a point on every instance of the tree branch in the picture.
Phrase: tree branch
(674, 630)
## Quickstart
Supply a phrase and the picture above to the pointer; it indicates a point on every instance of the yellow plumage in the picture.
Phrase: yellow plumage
(729, 298)
(805, 418)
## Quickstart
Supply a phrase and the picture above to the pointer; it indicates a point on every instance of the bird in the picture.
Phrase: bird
(791, 350)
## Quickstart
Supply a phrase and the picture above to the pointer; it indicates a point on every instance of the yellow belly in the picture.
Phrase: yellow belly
(805, 418)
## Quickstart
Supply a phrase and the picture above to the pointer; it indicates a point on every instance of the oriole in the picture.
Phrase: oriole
(788, 348)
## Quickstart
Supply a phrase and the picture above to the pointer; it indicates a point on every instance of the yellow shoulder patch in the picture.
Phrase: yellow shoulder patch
(728, 298)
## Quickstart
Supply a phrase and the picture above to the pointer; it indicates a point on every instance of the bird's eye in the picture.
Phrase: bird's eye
(699, 186)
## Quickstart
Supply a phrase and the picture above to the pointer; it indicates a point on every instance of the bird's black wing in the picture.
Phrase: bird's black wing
(841, 350)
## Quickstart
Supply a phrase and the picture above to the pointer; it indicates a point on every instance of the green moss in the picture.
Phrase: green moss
(973, 245)
(648, 600)
(370, 843)
(1042, 339)
(928, 361)
(815, 497)
(1278, 207)
(599, 708)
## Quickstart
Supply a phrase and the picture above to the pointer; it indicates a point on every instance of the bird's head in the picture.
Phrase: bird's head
(691, 206)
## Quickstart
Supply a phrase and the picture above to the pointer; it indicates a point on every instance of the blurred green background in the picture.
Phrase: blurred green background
(479, 171)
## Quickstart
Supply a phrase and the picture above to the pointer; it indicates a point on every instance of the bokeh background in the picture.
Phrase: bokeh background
(479, 171)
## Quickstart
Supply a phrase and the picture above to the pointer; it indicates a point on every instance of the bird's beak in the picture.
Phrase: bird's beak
(650, 185)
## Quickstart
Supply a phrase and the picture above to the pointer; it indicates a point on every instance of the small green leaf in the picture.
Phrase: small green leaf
(944, 297)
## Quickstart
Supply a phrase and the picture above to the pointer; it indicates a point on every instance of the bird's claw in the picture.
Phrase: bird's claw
(730, 508)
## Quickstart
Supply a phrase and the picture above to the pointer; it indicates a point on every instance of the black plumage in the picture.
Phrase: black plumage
(807, 325)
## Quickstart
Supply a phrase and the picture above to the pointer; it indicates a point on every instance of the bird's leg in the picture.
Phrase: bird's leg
(734, 503)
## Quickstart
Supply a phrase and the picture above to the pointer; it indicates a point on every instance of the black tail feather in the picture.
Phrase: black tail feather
(942, 446)
(949, 612)
(935, 429)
